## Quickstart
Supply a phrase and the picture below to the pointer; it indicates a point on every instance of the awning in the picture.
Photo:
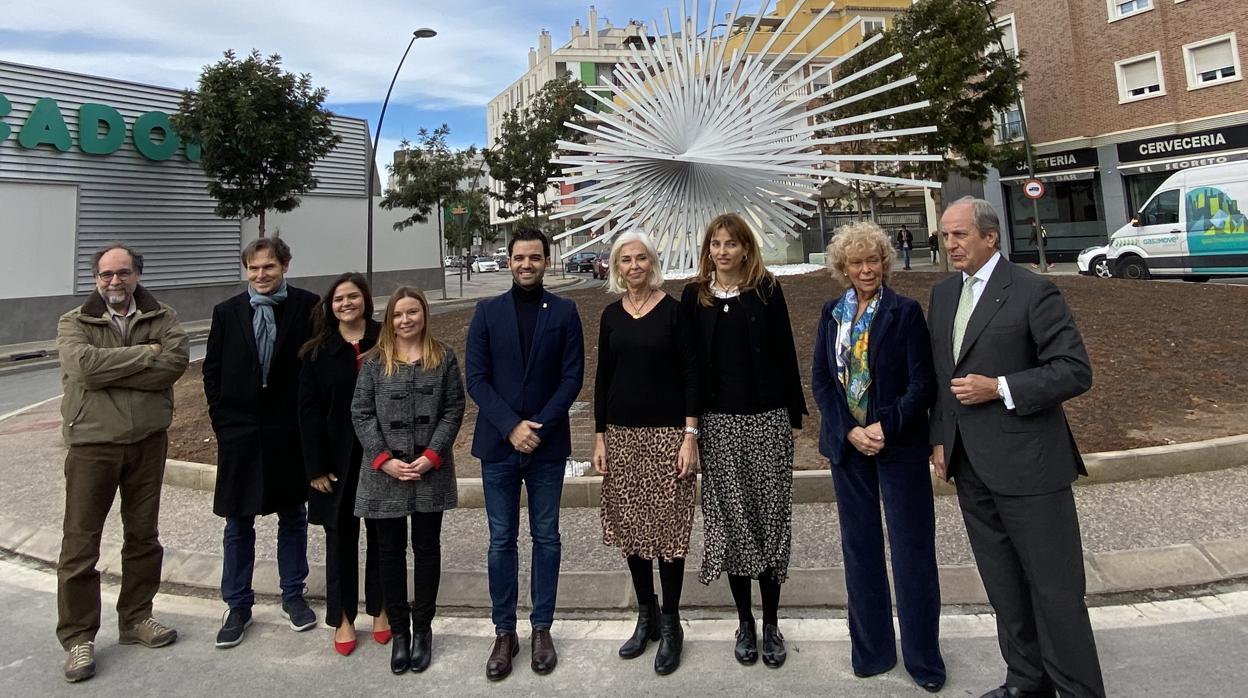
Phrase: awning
(1175, 164)
(1059, 176)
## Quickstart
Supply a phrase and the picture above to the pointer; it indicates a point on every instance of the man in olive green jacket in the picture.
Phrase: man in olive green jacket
(121, 353)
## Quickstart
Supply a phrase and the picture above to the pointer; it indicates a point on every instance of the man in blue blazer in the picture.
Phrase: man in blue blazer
(525, 361)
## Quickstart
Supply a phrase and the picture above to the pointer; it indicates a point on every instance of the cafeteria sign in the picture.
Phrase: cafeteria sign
(101, 131)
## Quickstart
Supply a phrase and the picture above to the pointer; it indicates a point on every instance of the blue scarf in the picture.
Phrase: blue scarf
(852, 341)
(265, 326)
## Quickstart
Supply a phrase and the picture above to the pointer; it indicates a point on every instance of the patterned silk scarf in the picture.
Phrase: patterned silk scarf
(852, 340)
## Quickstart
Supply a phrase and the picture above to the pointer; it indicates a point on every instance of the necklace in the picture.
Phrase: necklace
(636, 312)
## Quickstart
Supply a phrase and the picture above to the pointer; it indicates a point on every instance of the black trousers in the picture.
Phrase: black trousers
(342, 568)
(426, 569)
(1030, 556)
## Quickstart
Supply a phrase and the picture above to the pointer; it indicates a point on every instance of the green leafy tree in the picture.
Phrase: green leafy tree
(262, 129)
(952, 49)
(429, 174)
(520, 159)
(468, 217)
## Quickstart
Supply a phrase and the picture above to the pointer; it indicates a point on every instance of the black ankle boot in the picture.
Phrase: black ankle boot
(422, 650)
(671, 642)
(401, 653)
(774, 652)
(647, 629)
(746, 650)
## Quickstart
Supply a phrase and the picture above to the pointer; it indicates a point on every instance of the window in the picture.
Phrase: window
(1140, 78)
(1009, 126)
(1118, 9)
(1211, 62)
(1162, 210)
(871, 25)
(1008, 36)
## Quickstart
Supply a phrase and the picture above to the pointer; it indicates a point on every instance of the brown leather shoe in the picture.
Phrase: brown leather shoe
(544, 655)
(498, 666)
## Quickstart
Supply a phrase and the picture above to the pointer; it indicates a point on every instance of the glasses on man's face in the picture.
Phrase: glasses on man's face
(121, 275)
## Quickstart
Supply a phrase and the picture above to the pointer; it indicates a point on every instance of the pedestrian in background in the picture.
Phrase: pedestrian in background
(873, 381)
(905, 243)
(933, 246)
(251, 381)
(121, 352)
(408, 407)
(750, 394)
(343, 330)
(646, 449)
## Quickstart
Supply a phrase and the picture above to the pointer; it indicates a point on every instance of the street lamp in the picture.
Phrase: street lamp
(1031, 166)
(422, 33)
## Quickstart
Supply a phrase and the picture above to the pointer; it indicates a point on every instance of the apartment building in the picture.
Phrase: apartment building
(1119, 95)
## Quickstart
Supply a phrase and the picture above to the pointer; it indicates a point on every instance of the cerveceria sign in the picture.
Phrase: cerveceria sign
(1211, 141)
(101, 131)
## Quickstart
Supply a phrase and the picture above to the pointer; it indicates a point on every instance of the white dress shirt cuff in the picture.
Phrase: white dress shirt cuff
(1003, 389)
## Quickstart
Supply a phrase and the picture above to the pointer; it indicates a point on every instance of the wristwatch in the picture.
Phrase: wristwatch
(1001, 388)
(693, 431)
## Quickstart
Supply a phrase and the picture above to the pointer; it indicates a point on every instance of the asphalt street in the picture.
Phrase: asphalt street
(1186, 647)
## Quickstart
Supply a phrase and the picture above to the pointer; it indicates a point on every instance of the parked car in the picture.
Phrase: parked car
(501, 260)
(450, 261)
(482, 264)
(1094, 261)
(581, 261)
(600, 266)
(1192, 227)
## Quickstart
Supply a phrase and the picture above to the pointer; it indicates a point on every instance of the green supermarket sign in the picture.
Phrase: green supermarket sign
(101, 131)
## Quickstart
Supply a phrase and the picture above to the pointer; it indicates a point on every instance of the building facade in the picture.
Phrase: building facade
(1119, 95)
(86, 160)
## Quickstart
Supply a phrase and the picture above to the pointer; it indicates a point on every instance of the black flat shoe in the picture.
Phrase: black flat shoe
(746, 650)
(774, 651)
(869, 674)
(932, 686)
(422, 650)
(647, 630)
(401, 653)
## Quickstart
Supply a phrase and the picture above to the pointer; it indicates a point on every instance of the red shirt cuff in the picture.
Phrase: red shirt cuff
(381, 459)
(433, 458)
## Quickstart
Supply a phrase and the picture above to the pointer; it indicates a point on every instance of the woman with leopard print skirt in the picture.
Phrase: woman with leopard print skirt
(752, 404)
(645, 409)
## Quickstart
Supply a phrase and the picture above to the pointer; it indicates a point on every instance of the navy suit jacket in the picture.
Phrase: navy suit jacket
(507, 390)
(903, 382)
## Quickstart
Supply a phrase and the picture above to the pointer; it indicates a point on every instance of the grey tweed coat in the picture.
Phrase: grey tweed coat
(404, 414)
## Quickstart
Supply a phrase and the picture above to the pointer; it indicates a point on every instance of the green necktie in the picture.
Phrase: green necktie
(966, 304)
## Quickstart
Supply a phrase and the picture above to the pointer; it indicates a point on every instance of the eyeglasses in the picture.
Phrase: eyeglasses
(107, 276)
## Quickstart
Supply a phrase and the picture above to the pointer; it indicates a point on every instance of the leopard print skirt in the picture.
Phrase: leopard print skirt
(646, 510)
(747, 494)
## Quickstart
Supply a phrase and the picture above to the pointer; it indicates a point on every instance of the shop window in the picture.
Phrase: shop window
(1211, 62)
(1140, 77)
(1119, 9)
(1162, 210)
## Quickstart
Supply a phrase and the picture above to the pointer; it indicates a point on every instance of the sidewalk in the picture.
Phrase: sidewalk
(1171, 532)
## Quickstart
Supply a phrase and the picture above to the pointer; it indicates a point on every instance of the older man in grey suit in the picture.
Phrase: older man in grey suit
(1007, 356)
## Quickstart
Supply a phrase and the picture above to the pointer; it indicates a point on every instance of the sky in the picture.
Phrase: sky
(350, 47)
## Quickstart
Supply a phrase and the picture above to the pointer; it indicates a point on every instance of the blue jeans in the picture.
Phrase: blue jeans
(240, 556)
(905, 256)
(544, 484)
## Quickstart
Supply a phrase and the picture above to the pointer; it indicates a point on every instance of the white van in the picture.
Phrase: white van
(1194, 226)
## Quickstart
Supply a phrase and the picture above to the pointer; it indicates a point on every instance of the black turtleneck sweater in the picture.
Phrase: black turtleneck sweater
(528, 303)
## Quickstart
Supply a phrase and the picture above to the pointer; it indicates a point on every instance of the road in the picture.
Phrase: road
(1186, 647)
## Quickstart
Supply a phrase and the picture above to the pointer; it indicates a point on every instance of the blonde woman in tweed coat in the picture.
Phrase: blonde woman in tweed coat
(409, 402)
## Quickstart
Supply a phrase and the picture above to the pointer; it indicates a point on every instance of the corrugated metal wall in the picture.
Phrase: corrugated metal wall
(160, 207)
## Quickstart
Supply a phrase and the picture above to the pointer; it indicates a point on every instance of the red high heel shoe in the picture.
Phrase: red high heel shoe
(382, 637)
(344, 648)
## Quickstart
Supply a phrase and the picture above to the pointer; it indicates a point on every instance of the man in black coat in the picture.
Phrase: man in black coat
(251, 379)
(1007, 355)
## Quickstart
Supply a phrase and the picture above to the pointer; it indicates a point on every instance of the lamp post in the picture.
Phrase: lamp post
(422, 33)
(1031, 165)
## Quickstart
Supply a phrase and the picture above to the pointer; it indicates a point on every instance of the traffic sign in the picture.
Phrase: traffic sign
(1033, 189)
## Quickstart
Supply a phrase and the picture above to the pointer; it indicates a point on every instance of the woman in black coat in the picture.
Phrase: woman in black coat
(343, 330)
(874, 381)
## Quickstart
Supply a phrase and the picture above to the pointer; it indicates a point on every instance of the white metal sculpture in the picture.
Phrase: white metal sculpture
(697, 132)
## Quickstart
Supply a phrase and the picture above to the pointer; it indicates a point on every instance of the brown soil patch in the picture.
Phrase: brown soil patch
(1167, 357)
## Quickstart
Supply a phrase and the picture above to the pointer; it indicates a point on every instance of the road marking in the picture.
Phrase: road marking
(28, 408)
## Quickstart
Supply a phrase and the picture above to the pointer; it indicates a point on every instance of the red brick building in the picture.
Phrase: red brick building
(1119, 94)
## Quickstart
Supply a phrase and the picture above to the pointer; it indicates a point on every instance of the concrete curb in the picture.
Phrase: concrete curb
(1147, 569)
(814, 486)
